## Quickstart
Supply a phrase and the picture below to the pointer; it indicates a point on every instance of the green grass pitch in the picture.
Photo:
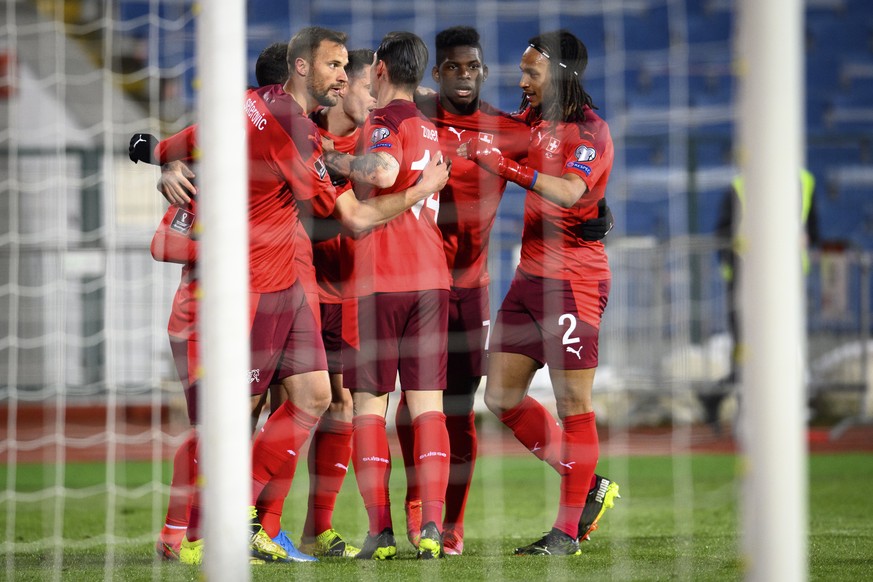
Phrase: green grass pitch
(677, 520)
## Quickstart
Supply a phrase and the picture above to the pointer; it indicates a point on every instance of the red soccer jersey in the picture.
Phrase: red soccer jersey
(303, 260)
(550, 246)
(327, 253)
(181, 147)
(285, 163)
(468, 203)
(172, 243)
(405, 254)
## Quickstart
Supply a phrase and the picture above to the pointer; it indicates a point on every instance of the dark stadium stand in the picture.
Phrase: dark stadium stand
(647, 29)
(839, 52)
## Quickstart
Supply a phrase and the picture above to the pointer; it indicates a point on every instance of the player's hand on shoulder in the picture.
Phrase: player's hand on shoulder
(176, 183)
(142, 148)
(435, 174)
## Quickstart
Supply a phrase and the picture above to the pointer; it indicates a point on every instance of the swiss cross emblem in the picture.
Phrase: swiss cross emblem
(553, 146)
(486, 138)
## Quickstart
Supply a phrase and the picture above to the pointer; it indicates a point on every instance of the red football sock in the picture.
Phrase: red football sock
(271, 501)
(182, 485)
(403, 425)
(431, 464)
(464, 442)
(372, 461)
(329, 455)
(173, 535)
(194, 533)
(536, 429)
(282, 436)
(579, 452)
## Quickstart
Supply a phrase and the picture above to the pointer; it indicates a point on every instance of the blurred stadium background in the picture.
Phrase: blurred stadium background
(83, 307)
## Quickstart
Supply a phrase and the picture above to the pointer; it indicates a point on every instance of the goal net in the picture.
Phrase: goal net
(86, 375)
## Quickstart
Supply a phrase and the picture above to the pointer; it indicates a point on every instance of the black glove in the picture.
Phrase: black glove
(142, 148)
(595, 229)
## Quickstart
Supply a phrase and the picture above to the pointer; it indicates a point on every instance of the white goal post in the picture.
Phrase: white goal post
(223, 268)
(773, 406)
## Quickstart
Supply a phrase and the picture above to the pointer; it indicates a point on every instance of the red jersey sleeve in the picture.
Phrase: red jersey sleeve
(179, 147)
(384, 136)
(172, 242)
(589, 155)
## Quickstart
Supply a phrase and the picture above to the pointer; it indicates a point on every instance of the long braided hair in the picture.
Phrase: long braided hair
(568, 58)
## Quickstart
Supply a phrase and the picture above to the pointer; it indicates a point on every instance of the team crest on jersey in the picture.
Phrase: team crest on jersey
(182, 221)
(320, 167)
(585, 153)
(485, 137)
(379, 134)
(553, 145)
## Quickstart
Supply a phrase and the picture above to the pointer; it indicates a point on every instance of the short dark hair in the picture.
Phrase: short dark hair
(568, 58)
(456, 36)
(358, 59)
(405, 56)
(307, 40)
(271, 67)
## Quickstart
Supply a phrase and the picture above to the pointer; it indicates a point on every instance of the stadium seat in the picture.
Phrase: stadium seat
(850, 117)
(646, 217)
(708, 203)
(512, 37)
(646, 29)
(272, 13)
(638, 152)
(710, 88)
(845, 211)
(840, 33)
(711, 152)
(646, 88)
(709, 26)
(824, 158)
(590, 29)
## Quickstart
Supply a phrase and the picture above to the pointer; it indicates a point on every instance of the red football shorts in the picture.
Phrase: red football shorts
(332, 335)
(387, 333)
(469, 324)
(285, 341)
(552, 321)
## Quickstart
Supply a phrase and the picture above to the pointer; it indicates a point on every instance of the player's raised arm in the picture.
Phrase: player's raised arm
(563, 190)
(377, 168)
(360, 216)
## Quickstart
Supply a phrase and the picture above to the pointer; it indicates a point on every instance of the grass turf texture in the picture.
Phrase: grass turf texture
(677, 519)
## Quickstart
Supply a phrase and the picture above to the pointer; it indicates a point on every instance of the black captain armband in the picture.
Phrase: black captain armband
(142, 148)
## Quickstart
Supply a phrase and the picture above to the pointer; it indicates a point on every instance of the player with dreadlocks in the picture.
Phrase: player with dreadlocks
(552, 311)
